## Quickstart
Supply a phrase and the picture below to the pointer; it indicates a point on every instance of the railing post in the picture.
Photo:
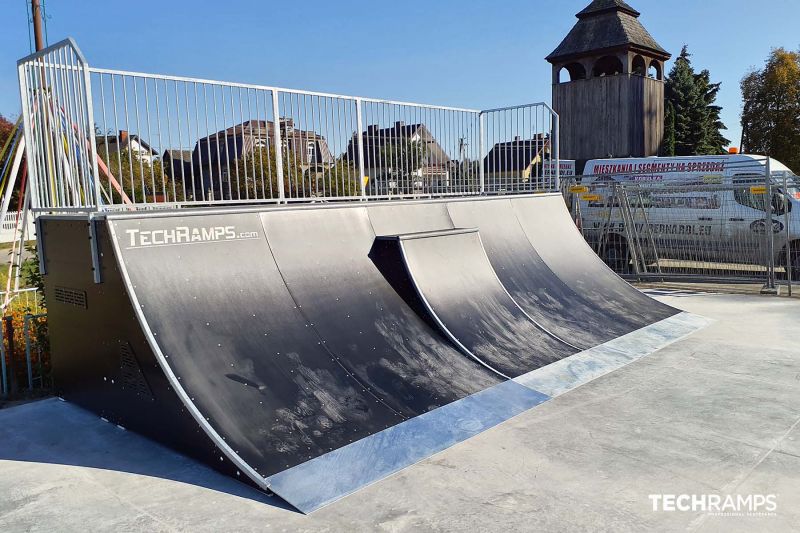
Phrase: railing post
(786, 221)
(28, 349)
(360, 128)
(3, 373)
(769, 234)
(554, 147)
(27, 131)
(87, 81)
(278, 145)
(482, 151)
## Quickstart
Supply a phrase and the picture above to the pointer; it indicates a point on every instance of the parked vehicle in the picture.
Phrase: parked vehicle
(710, 209)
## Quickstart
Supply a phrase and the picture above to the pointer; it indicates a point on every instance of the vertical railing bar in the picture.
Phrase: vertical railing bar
(141, 141)
(53, 148)
(128, 135)
(80, 164)
(276, 129)
(207, 139)
(169, 136)
(150, 138)
(244, 147)
(188, 134)
(180, 135)
(359, 129)
(164, 190)
(227, 147)
(216, 140)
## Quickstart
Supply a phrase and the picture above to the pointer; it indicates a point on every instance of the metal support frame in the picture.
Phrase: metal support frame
(97, 275)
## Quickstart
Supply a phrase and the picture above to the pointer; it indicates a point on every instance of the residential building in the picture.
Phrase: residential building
(517, 164)
(109, 146)
(218, 159)
(401, 159)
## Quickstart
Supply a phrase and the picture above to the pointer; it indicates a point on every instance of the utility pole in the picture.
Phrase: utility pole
(36, 15)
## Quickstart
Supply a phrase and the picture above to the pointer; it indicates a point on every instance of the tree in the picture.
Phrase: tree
(140, 180)
(692, 120)
(771, 110)
(257, 177)
(6, 128)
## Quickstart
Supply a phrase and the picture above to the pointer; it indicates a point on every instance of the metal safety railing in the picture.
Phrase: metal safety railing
(743, 229)
(100, 139)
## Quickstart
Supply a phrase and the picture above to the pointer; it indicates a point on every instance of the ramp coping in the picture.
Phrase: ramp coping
(426, 234)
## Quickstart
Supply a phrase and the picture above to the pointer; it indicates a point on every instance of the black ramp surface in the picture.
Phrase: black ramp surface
(402, 217)
(461, 290)
(225, 325)
(547, 223)
(536, 288)
(324, 257)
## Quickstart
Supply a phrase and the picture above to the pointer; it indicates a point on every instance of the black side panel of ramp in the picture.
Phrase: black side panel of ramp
(536, 288)
(324, 257)
(102, 360)
(456, 281)
(547, 223)
(229, 334)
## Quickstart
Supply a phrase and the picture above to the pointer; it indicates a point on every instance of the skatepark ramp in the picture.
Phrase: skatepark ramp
(314, 350)
(310, 291)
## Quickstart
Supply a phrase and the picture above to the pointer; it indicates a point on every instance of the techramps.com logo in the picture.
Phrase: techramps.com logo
(182, 235)
(717, 504)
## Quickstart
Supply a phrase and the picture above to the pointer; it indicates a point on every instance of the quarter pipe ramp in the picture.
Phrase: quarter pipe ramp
(311, 351)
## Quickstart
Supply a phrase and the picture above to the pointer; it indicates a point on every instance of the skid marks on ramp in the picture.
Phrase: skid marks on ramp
(426, 361)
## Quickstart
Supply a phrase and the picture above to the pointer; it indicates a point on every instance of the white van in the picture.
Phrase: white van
(708, 209)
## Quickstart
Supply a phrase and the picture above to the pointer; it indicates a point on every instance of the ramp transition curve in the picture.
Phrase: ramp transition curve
(312, 351)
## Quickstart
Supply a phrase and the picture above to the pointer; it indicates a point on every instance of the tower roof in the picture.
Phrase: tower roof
(606, 24)
(598, 6)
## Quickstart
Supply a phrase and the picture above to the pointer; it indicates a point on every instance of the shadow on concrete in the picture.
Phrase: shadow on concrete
(56, 432)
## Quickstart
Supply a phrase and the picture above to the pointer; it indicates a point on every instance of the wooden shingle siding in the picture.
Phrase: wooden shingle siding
(596, 111)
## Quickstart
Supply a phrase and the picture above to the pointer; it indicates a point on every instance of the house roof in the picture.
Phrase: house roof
(263, 128)
(183, 155)
(374, 139)
(126, 138)
(516, 155)
(605, 24)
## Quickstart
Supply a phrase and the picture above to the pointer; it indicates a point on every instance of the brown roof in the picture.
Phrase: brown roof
(607, 5)
(605, 24)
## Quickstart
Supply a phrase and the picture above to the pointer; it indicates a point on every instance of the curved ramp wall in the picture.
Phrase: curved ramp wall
(288, 348)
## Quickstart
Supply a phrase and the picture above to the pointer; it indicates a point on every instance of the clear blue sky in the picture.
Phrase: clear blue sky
(471, 53)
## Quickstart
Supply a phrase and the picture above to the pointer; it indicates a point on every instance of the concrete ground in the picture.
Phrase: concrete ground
(715, 414)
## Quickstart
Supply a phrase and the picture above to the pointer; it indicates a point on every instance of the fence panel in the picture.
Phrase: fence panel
(693, 230)
(109, 139)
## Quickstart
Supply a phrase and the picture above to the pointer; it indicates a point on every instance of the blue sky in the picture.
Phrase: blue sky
(464, 53)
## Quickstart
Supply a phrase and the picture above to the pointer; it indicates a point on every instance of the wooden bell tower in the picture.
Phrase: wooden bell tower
(608, 85)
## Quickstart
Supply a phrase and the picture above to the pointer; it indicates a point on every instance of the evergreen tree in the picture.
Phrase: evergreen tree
(692, 121)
